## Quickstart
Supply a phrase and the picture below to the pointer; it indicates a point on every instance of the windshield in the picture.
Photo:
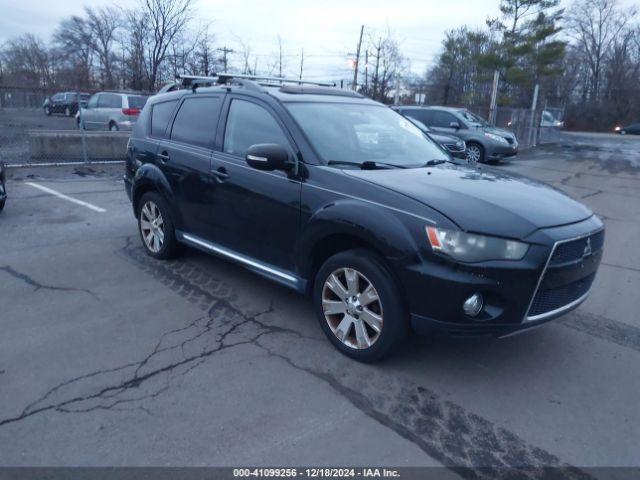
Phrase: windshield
(357, 133)
(472, 117)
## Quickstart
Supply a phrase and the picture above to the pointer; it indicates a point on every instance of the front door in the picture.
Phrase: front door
(254, 212)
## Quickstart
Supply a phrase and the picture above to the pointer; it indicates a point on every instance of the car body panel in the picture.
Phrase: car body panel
(276, 222)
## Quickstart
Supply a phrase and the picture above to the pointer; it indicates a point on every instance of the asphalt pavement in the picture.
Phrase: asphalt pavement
(109, 357)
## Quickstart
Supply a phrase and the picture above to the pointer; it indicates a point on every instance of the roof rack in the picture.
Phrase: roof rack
(249, 81)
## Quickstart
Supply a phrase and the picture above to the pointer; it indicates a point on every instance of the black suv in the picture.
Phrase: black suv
(65, 103)
(338, 196)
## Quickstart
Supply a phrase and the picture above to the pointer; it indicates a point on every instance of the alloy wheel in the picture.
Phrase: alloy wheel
(473, 154)
(152, 226)
(352, 308)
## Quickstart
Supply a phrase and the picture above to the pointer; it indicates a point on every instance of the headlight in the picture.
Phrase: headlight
(497, 138)
(617, 129)
(467, 247)
(461, 145)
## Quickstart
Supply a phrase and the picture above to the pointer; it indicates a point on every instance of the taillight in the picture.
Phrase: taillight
(132, 112)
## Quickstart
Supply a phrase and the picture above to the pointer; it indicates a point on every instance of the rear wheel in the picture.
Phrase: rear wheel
(359, 306)
(156, 226)
(475, 153)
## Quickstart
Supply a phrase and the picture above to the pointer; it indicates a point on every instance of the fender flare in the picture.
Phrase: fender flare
(387, 232)
(150, 177)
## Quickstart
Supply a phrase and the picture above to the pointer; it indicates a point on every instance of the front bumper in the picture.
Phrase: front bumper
(498, 152)
(436, 288)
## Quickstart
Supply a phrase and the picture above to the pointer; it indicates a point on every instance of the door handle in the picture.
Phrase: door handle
(220, 174)
(164, 157)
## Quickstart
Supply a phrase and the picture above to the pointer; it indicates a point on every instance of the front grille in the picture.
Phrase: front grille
(575, 250)
(453, 147)
(552, 299)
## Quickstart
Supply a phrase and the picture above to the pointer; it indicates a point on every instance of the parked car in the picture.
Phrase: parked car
(337, 196)
(484, 142)
(548, 120)
(111, 111)
(453, 145)
(65, 103)
(3, 188)
(633, 129)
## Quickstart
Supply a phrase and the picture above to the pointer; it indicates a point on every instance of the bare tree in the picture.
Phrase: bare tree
(384, 54)
(595, 25)
(102, 24)
(72, 39)
(26, 62)
(166, 20)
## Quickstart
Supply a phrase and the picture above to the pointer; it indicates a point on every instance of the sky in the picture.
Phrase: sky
(327, 30)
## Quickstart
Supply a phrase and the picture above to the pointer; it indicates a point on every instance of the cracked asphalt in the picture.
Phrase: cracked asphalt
(111, 358)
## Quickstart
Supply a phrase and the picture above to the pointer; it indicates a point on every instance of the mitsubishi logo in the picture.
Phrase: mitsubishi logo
(587, 249)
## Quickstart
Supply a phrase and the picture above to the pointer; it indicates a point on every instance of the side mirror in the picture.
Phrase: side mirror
(455, 125)
(268, 156)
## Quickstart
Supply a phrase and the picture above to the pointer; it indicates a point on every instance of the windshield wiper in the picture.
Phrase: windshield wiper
(435, 161)
(366, 165)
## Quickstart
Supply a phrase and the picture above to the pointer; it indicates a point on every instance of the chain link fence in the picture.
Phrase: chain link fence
(28, 137)
(531, 127)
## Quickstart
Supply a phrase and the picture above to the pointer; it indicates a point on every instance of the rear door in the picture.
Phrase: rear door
(253, 212)
(109, 109)
(185, 158)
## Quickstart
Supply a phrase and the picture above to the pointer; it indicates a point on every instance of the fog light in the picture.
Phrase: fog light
(473, 305)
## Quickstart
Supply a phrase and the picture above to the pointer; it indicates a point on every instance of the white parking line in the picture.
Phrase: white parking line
(66, 197)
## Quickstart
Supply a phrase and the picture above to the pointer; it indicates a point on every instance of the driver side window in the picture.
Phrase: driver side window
(249, 124)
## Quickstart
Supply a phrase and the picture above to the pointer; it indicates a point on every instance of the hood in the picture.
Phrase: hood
(500, 131)
(482, 200)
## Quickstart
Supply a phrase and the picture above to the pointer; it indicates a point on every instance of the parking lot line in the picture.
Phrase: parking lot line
(66, 197)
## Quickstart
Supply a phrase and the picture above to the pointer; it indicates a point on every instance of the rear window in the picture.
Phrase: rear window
(196, 121)
(160, 118)
(136, 101)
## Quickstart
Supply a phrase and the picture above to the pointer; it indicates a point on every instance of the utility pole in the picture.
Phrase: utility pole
(225, 61)
(366, 71)
(355, 72)
(534, 105)
(494, 98)
(301, 63)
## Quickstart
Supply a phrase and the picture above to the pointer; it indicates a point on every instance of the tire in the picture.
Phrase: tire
(67, 112)
(47, 111)
(475, 152)
(623, 132)
(113, 127)
(2, 202)
(388, 312)
(167, 245)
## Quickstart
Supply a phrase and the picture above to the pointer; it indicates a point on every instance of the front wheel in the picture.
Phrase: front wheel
(359, 306)
(67, 112)
(47, 111)
(2, 202)
(156, 226)
(475, 153)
